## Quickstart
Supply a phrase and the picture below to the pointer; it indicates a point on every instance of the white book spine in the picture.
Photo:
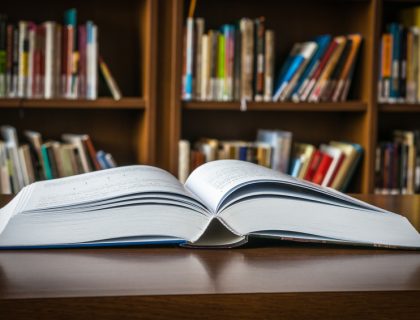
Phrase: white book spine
(92, 61)
(269, 65)
(184, 160)
(23, 59)
(48, 60)
(31, 39)
(24, 168)
(188, 84)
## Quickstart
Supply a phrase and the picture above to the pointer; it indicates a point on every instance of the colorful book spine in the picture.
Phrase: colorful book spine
(322, 41)
(259, 62)
(269, 65)
(221, 67)
(205, 69)
(305, 53)
(188, 81)
(92, 61)
(395, 30)
(109, 79)
(22, 58)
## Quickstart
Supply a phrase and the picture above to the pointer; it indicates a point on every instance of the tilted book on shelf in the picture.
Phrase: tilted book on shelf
(222, 204)
(50, 60)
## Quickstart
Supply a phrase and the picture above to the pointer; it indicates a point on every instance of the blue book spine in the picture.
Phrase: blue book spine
(100, 156)
(395, 30)
(322, 41)
(243, 153)
(286, 65)
(188, 82)
(294, 66)
(295, 167)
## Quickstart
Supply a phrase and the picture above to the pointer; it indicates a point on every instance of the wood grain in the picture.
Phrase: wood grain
(100, 103)
(350, 106)
(399, 107)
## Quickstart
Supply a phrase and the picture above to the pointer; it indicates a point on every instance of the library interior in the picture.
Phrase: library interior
(210, 159)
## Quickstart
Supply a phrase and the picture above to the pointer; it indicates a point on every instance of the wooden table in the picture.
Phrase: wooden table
(268, 279)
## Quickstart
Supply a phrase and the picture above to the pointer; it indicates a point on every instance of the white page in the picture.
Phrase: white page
(101, 185)
(349, 225)
(214, 181)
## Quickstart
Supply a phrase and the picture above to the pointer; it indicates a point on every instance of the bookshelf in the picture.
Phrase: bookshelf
(127, 42)
(399, 115)
(315, 123)
(141, 41)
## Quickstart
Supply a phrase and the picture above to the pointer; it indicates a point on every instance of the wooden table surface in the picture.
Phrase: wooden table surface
(265, 279)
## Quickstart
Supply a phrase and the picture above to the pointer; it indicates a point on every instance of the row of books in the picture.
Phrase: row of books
(399, 77)
(397, 167)
(319, 70)
(399, 56)
(236, 62)
(233, 63)
(34, 160)
(51, 60)
(330, 165)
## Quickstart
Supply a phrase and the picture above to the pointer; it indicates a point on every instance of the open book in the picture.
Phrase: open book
(221, 204)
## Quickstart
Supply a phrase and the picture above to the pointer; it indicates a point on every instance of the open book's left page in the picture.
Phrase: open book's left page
(135, 204)
(102, 185)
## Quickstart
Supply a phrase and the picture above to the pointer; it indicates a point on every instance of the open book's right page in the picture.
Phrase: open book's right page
(251, 199)
(219, 183)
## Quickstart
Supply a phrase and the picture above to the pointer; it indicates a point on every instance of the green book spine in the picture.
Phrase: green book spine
(221, 66)
(46, 160)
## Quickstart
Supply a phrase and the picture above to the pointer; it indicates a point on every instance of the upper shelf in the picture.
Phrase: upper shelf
(100, 103)
(399, 107)
(350, 106)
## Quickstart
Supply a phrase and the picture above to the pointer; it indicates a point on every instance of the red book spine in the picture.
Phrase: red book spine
(92, 153)
(337, 167)
(38, 82)
(325, 59)
(324, 164)
(313, 165)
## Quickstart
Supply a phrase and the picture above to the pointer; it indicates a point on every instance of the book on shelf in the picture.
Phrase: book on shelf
(331, 165)
(51, 60)
(399, 73)
(22, 164)
(397, 165)
(222, 204)
(237, 63)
